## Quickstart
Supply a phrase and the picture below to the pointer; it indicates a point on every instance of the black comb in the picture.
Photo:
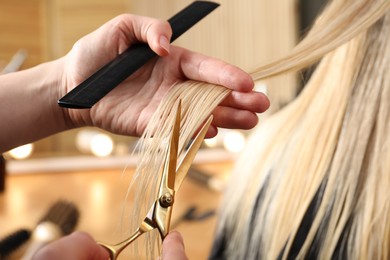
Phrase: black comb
(113, 73)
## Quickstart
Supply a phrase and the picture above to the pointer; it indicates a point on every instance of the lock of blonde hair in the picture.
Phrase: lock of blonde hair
(314, 179)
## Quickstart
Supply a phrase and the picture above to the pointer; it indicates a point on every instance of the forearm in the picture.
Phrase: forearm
(28, 105)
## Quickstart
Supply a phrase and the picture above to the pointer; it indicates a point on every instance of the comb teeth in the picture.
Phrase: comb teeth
(64, 214)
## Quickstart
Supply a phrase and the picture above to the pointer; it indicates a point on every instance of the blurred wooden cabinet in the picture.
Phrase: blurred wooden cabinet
(69, 20)
(246, 33)
(47, 29)
(22, 25)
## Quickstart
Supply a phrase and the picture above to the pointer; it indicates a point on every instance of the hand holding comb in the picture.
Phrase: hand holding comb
(112, 74)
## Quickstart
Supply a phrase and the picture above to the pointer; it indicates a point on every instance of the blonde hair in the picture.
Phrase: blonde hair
(193, 97)
(320, 189)
(324, 171)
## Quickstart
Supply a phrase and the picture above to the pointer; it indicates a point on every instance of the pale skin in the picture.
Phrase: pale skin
(28, 98)
(80, 245)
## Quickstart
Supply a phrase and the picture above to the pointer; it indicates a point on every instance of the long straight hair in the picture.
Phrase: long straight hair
(314, 180)
(316, 174)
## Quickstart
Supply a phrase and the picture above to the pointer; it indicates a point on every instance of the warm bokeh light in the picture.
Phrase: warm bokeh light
(98, 194)
(211, 142)
(21, 152)
(234, 141)
(102, 145)
(95, 142)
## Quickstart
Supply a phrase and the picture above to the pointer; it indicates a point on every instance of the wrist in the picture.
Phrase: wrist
(52, 87)
(28, 102)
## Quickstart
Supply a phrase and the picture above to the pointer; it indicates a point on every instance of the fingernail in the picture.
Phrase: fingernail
(164, 43)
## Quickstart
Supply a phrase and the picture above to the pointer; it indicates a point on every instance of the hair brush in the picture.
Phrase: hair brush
(13, 241)
(60, 220)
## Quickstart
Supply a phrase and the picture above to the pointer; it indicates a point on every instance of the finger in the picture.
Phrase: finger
(156, 33)
(202, 68)
(78, 245)
(252, 101)
(173, 247)
(231, 118)
(211, 132)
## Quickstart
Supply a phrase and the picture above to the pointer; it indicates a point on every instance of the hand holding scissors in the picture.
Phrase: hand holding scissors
(159, 215)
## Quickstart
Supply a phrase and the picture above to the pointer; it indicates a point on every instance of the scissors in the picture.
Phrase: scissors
(159, 215)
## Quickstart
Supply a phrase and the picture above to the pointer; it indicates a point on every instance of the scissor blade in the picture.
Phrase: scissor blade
(113, 73)
(190, 155)
(173, 149)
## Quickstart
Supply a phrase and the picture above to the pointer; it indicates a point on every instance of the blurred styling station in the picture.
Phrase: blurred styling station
(90, 169)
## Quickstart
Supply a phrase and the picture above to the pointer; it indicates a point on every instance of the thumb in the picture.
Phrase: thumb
(173, 247)
(156, 33)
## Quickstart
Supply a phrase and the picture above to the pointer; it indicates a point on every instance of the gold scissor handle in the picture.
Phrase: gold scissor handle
(159, 215)
(115, 250)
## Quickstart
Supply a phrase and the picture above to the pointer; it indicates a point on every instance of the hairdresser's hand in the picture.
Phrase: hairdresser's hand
(31, 95)
(128, 108)
(81, 246)
(173, 247)
(78, 245)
